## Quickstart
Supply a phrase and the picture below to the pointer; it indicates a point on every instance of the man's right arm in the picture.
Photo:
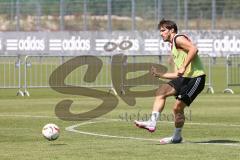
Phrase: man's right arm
(168, 75)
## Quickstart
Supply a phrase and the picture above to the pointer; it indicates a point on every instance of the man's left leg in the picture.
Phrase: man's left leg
(179, 119)
(162, 93)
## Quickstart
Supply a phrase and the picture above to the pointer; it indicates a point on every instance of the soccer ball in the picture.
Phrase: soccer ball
(51, 131)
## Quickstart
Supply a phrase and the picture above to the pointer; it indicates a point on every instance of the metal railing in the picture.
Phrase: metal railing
(76, 71)
(10, 73)
(112, 72)
(232, 72)
(207, 62)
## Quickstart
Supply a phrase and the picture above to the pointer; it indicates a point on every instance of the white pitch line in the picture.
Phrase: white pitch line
(222, 144)
(72, 129)
(6, 129)
(102, 120)
(111, 119)
(26, 116)
(212, 124)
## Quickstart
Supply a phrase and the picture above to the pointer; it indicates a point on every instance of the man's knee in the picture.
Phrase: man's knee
(160, 93)
(165, 91)
(179, 107)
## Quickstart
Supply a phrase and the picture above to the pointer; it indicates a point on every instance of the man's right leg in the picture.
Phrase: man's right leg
(179, 120)
(162, 93)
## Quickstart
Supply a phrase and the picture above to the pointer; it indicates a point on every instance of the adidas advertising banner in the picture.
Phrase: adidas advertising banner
(215, 43)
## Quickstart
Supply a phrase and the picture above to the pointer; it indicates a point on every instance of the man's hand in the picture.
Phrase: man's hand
(154, 72)
(181, 71)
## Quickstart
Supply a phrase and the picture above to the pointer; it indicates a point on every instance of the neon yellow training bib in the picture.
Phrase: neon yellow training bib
(195, 67)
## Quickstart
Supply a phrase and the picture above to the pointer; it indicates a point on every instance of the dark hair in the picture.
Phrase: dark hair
(168, 24)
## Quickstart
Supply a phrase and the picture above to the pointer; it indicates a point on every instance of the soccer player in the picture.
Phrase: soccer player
(186, 82)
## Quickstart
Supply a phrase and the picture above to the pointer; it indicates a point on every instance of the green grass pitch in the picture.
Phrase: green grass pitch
(212, 129)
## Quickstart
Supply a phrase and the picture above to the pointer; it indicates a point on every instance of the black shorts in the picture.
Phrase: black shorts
(187, 89)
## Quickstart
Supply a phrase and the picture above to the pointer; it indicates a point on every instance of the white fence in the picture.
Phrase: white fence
(84, 71)
(11, 73)
(233, 72)
(87, 71)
